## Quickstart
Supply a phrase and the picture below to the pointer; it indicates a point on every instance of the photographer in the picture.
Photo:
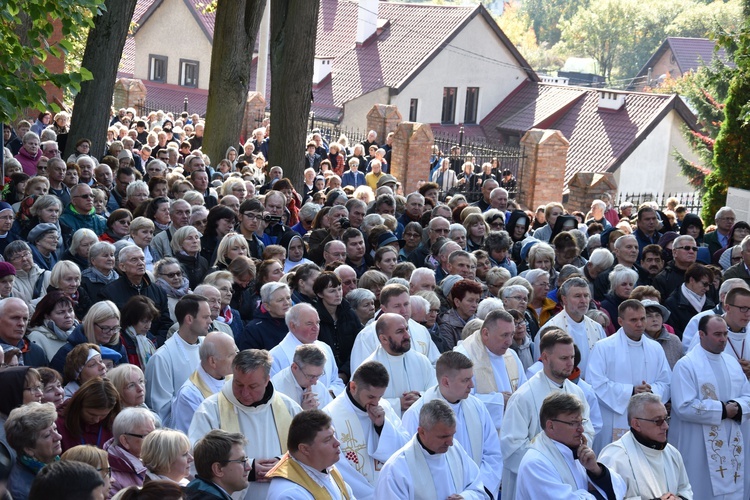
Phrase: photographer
(339, 222)
(274, 202)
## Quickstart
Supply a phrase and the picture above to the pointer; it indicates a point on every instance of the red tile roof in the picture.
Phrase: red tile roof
(127, 62)
(599, 140)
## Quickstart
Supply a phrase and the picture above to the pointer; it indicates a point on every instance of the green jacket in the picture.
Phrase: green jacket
(75, 220)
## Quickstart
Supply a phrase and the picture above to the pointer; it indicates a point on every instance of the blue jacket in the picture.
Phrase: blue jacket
(202, 489)
(354, 179)
(262, 332)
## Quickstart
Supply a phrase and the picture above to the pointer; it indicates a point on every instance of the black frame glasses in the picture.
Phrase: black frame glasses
(656, 421)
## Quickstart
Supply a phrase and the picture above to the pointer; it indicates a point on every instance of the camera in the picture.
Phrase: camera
(344, 223)
(271, 218)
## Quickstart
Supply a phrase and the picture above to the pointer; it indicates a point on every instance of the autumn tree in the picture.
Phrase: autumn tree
(293, 32)
(104, 46)
(235, 31)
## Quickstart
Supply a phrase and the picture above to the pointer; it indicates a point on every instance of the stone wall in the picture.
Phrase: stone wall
(410, 158)
(586, 187)
(543, 174)
(255, 106)
(128, 93)
(383, 119)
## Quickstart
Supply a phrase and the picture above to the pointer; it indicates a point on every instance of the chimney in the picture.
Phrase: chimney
(611, 101)
(321, 69)
(367, 20)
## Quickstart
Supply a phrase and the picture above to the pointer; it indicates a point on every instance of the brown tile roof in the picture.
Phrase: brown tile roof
(689, 54)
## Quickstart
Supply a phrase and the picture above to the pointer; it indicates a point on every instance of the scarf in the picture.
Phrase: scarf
(144, 347)
(33, 464)
(176, 293)
(97, 276)
(225, 316)
(57, 333)
(695, 300)
(162, 227)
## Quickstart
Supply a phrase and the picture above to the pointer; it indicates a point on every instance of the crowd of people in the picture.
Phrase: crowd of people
(174, 326)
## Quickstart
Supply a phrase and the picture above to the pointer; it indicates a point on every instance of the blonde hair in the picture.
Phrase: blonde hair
(101, 311)
(226, 242)
(60, 269)
(141, 223)
(88, 454)
(162, 447)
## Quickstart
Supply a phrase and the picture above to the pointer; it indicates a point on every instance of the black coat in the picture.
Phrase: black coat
(681, 310)
(121, 290)
(263, 332)
(195, 268)
(340, 336)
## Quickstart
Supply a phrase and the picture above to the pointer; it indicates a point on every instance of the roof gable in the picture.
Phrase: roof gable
(689, 54)
(204, 20)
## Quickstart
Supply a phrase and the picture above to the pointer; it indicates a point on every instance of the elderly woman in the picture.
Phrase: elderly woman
(301, 282)
(53, 322)
(457, 233)
(690, 298)
(130, 383)
(130, 428)
(83, 363)
(136, 193)
(95, 457)
(100, 326)
(142, 233)
(362, 301)
(83, 147)
(476, 231)
(138, 313)
(622, 280)
(339, 323)
(220, 222)
(222, 280)
(66, 277)
(52, 387)
(29, 153)
(199, 218)
(172, 280)
(235, 186)
(522, 343)
(118, 226)
(79, 247)
(100, 272)
(32, 435)
(540, 308)
(186, 248)
(268, 328)
(42, 209)
(166, 455)
(157, 210)
(231, 246)
(43, 242)
(296, 251)
(89, 415)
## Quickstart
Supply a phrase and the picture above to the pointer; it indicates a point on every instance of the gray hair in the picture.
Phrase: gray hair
(309, 211)
(599, 203)
(415, 195)
(14, 248)
(619, 274)
(371, 221)
(43, 202)
(309, 355)
(619, 242)
(573, 282)
(208, 346)
(541, 250)
(358, 295)
(398, 281)
(267, 290)
(725, 288)
(126, 251)
(173, 205)
(179, 236)
(682, 239)
(639, 401)
(250, 360)
(99, 248)
(432, 298)
(292, 316)
(158, 163)
(418, 302)
(601, 259)
(130, 418)
(471, 327)
(25, 424)
(78, 238)
(456, 227)
(135, 185)
(533, 274)
(488, 305)
(719, 213)
(509, 290)
(435, 412)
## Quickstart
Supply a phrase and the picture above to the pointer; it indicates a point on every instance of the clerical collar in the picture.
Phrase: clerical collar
(647, 442)
(424, 447)
(354, 401)
(266, 397)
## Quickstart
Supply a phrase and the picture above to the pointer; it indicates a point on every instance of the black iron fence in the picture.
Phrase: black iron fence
(144, 107)
(691, 200)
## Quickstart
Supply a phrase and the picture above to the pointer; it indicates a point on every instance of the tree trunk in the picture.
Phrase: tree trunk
(293, 31)
(102, 57)
(237, 23)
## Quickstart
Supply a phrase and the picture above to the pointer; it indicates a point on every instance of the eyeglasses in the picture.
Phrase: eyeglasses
(108, 329)
(742, 309)
(21, 256)
(440, 231)
(139, 436)
(172, 275)
(107, 471)
(705, 284)
(688, 248)
(656, 421)
(520, 299)
(576, 424)
(311, 377)
(252, 216)
(36, 388)
(84, 196)
(242, 460)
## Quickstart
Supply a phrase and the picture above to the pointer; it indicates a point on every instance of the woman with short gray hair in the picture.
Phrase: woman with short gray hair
(129, 429)
(78, 252)
(101, 270)
(622, 280)
(363, 303)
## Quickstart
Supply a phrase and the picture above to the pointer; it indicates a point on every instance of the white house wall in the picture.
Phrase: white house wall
(172, 31)
(651, 167)
(355, 111)
(474, 58)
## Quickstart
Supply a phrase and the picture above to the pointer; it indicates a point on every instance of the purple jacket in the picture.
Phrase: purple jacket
(27, 162)
(127, 470)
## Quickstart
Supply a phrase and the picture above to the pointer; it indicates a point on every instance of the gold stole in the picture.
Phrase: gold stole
(229, 421)
(483, 372)
(198, 381)
(292, 471)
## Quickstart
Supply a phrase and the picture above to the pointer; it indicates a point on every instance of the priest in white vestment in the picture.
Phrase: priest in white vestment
(431, 465)
(216, 354)
(301, 380)
(711, 416)
(367, 427)
(498, 371)
(307, 471)
(475, 430)
(586, 332)
(214, 302)
(651, 467)
(559, 463)
(624, 364)
(521, 422)
(174, 362)
(304, 326)
(394, 298)
(411, 372)
(249, 404)
(690, 333)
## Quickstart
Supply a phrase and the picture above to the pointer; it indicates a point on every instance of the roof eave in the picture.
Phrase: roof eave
(198, 21)
(147, 15)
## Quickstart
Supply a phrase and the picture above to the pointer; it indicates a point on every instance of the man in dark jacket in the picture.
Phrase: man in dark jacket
(14, 316)
(221, 464)
(133, 281)
(684, 253)
(739, 270)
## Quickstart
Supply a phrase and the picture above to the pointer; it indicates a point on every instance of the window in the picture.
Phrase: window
(472, 99)
(188, 73)
(449, 105)
(413, 110)
(157, 68)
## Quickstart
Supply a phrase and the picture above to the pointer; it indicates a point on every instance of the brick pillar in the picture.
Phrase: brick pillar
(383, 118)
(255, 108)
(55, 65)
(410, 158)
(543, 174)
(129, 93)
(586, 187)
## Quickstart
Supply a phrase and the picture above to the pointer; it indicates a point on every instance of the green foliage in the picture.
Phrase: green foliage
(516, 24)
(25, 28)
(547, 15)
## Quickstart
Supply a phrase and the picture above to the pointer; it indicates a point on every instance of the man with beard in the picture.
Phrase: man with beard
(411, 373)
(521, 422)
(650, 466)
